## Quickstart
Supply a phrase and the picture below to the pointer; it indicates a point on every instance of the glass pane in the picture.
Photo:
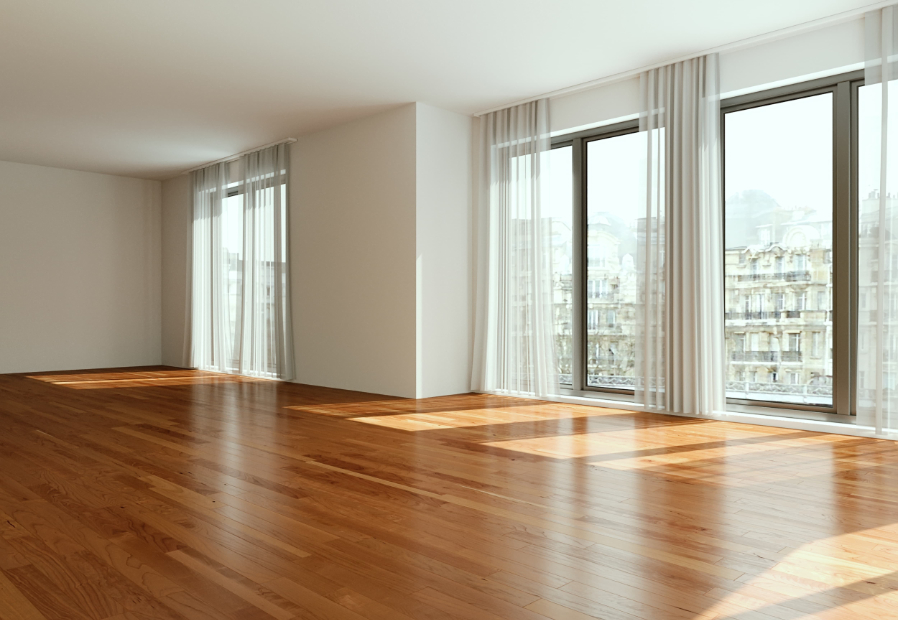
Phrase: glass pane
(558, 204)
(232, 250)
(612, 212)
(778, 258)
(870, 187)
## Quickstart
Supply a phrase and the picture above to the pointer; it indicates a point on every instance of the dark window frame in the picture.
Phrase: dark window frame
(843, 88)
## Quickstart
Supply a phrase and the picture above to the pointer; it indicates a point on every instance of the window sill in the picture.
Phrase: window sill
(783, 418)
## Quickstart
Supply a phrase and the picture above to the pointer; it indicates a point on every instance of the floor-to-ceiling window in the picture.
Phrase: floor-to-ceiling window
(790, 260)
(778, 248)
(790, 247)
(612, 211)
(595, 176)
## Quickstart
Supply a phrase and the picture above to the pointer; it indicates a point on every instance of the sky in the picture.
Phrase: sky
(869, 113)
(785, 150)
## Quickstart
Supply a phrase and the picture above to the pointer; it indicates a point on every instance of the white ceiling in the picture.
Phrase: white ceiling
(149, 88)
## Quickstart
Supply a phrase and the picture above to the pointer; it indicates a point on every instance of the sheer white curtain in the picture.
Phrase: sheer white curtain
(240, 300)
(680, 344)
(210, 345)
(878, 226)
(514, 340)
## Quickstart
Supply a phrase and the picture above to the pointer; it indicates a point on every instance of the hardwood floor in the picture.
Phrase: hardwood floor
(178, 494)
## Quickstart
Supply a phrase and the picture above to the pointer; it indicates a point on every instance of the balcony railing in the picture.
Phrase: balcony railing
(754, 388)
(767, 315)
(765, 356)
(777, 391)
(621, 383)
(600, 381)
(787, 276)
(607, 360)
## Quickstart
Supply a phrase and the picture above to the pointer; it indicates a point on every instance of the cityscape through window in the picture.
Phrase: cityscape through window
(612, 216)
(778, 242)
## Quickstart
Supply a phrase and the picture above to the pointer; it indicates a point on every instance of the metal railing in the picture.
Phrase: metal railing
(752, 388)
(766, 315)
(765, 356)
(787, 276)
(756, 388)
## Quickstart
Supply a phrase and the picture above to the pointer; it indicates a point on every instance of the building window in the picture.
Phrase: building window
(592, 320)
(755, 340)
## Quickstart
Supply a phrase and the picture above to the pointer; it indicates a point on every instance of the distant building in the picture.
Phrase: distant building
(778, 301)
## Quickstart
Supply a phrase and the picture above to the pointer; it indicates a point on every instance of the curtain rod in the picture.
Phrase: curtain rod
(240, 154)
(742, 43)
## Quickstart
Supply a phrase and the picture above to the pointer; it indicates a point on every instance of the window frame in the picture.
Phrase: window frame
(843, 88)
(579, 277)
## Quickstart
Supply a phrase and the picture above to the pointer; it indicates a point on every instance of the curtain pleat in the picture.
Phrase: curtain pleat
(680, 357)
(240, 276)
(514, 338)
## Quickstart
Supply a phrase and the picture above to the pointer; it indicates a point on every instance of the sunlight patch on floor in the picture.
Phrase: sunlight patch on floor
(142, 379)
(823, 577)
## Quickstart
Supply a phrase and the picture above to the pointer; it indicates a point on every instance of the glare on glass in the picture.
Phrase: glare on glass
(778, 252)
(612, 219)
(877, 257)
(557, 204)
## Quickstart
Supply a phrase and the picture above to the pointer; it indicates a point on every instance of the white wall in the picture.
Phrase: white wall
(79, 270)
(353, 254)
(176, 209)
(777, 62)
(443, 222)
(380, 242)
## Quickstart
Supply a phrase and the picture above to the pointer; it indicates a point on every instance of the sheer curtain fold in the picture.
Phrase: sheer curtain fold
(514, 339)
(679, 338)
(240, 276)
(877, 403)
(210, 345)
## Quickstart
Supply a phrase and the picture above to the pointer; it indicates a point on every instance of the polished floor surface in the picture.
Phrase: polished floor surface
(175, 494)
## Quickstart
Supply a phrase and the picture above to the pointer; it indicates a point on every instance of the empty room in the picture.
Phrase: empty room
(418, 309)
